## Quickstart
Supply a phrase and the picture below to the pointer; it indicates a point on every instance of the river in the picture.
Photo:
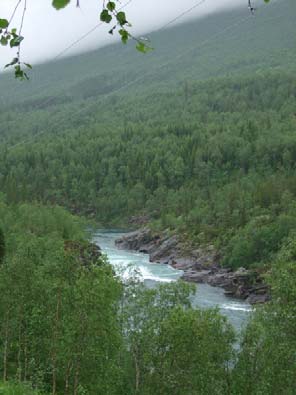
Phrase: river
(206, 296)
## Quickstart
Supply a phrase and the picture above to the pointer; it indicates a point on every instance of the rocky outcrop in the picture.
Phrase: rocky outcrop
(141, 240)
(198, 266)
(86, 253)
(242, 283)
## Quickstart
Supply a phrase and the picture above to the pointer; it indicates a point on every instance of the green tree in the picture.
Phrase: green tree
(59, 327)
(267, 360)
(192, 354)
(2, 246)
(174, 349)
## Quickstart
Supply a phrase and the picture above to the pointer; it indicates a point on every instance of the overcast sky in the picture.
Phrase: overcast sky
(47, 31)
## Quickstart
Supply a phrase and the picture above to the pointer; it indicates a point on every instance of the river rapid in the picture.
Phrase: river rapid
(152, 273)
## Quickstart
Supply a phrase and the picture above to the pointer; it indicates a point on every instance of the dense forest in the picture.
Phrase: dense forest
(210, 157)
(70, 326)
(198, 137)
(214, 160)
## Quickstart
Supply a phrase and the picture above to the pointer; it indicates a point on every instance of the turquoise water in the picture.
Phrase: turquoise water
(152, 273)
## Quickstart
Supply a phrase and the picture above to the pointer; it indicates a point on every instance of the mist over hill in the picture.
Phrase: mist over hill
(221, 44)
(195, 140)
(116, 133)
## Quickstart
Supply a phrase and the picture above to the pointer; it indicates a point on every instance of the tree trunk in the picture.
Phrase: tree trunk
(67, 377)
(137, 368)
(19, 353)
(54, 350)
(26, 360)
(5, 350)
(76, 378)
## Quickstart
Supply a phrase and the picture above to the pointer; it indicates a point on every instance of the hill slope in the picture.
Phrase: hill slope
(218, 45)
(205, 145)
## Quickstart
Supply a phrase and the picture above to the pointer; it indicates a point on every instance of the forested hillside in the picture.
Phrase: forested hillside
(213, 159)
(198, 136)
(224, 44)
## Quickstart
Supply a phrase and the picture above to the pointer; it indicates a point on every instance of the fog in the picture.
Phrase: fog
(48, 32)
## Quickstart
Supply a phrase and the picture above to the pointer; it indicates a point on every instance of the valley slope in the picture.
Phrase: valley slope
(199, 135)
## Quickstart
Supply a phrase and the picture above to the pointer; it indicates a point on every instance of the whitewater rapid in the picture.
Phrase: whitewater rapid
(206, 296)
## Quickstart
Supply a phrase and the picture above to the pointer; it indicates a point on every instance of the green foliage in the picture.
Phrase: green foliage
(219, 166)
(109, 13)
(174, 349)
(58, 4)
(191, 354)
(267, 360)
(37, 221)
(2, 246)
(214, 160)
(14, 40)
(58, 324)
(17, 389)
(258, 240)
(3, 23)
(206, 158)
(105, 16)
(68, 327)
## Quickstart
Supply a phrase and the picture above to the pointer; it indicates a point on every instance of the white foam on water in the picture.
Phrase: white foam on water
(124, 269)
(125, 262)
(236, 307)
(147, 275)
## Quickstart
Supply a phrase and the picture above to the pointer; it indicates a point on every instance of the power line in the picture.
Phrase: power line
(184, 13)
(187, 11)
(85, 35)
(150, 72)
(70, 46)
(206, 41)
(26, 141)
(14, 11)
(175, 19)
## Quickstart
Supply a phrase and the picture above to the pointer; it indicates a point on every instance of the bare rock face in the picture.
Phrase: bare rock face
(140, 240)
(199, 265)
(200, 277)
(242, 284)
(254, 298)
(166, 249)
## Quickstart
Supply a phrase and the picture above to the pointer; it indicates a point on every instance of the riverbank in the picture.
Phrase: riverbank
(199, 265)
(125, 261)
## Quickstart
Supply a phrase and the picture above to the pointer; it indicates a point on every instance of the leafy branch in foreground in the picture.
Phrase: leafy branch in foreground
(110, 13)
(10, 36)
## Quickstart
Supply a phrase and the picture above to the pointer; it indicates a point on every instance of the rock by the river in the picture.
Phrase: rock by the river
(198, 265)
